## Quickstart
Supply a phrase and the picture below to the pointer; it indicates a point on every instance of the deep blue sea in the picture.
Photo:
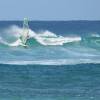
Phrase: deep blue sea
(61, 61)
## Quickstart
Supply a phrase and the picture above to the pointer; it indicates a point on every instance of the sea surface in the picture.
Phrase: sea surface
(60, 62)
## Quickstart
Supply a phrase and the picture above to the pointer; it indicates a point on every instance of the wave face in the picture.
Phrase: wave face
(51, 43)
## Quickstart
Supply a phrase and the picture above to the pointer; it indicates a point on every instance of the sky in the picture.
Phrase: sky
(50, 9)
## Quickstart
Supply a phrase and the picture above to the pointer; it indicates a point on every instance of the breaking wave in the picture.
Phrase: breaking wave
(48, 48)
(44, 37)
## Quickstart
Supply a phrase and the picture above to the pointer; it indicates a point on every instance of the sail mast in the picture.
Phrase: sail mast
(25, 32)
(25, 24)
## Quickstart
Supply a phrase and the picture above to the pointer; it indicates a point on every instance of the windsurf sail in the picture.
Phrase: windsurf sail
(25, 34)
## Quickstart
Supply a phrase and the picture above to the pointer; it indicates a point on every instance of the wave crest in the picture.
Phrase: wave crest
(44, 37)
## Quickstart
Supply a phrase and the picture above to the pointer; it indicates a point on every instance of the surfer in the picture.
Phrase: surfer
(25, 34)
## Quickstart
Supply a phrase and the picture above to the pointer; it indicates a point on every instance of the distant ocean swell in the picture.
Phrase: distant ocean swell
(49, 82)
(52, 62)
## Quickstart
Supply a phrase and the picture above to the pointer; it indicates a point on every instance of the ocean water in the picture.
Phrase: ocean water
(61, 61)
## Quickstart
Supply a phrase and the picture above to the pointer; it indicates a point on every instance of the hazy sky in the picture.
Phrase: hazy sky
(50, 9)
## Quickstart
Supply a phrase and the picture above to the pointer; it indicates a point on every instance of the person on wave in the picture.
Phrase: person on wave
(25, 34)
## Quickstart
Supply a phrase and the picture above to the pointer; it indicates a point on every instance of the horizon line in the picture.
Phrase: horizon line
(48, 20)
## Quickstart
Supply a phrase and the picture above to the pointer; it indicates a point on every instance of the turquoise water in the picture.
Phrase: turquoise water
(37, 82)
(61, 61)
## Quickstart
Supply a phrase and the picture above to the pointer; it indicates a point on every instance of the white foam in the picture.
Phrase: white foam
(47, 34)
(95, 35)
(16, 43)
(13, 30)
(52, 62)
(49, 38)
(56, 41)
